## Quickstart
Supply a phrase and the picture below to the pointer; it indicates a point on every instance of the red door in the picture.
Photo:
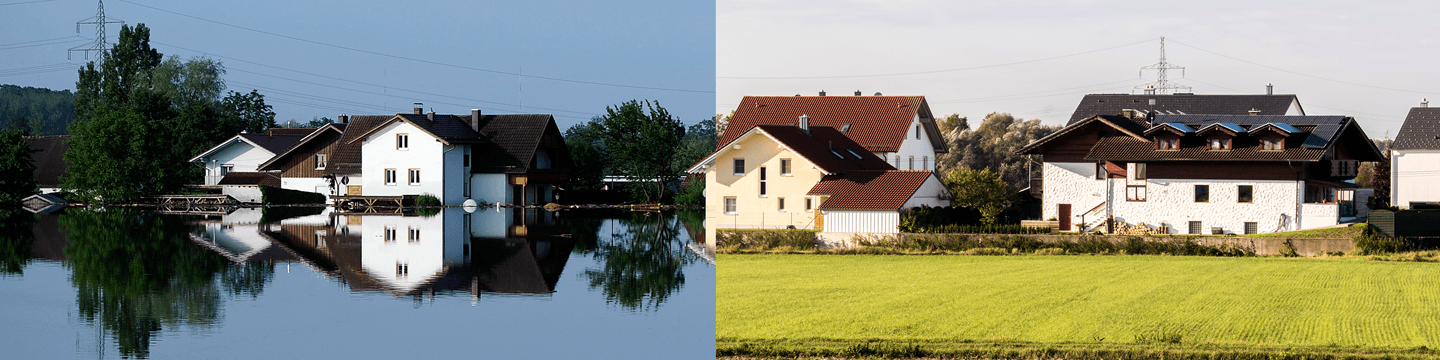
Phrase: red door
(1064, 217)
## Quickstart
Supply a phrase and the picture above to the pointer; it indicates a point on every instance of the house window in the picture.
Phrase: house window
(807, 204)
(1252, 227)
(402, 141)
(390, 234)
(414, 235)
(912, 163)
(730, 205)
(402, 269)
(1195, 228)
(1168, 144)
(1139, 171)
(924, 163)
(1272, 144)
(390, 176)
(1247, 193)
(897, 161)
(1219, 144)
(762, 181)
(1202, 193)
(917, 132)
(739, 167)
(781, 202)
(414, 176)
(226, 169)
(784, 167)
(1135, 193)
(320, 161)
(1100, 170)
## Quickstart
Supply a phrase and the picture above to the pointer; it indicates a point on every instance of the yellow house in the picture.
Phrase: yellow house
(766, 177)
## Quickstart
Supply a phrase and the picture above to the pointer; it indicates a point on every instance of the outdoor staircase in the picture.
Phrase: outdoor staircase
(1096, 218)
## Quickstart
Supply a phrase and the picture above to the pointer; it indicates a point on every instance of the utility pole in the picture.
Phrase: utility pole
(1162, 83)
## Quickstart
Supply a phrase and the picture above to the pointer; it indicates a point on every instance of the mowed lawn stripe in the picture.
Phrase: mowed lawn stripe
(1079, 299)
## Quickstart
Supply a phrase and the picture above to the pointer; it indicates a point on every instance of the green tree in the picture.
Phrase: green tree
(952, 123)
(250, 110)
(198, 80)
(40, 111)
(17, 240)
(982, 190)
(640, 141)
(17, 169)
(587, 149)
(642, 266)
(993, 145)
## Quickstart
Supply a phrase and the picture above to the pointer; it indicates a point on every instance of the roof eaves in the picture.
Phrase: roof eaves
(227, 143)
(306, 139)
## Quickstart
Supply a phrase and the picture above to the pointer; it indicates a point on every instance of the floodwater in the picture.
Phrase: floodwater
(307, 283)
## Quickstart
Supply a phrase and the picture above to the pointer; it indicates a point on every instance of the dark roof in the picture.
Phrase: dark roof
(314, 134)
(869, 190)
(1112, 104)
(1315, 136)
(826, 148)
(513, 140)
(49, 156)
(278, 140)
(1132, 149)
(250, 178)
(1324, 131)
(450, 129)
(879, 123)
(1421, 130)
(345, 158)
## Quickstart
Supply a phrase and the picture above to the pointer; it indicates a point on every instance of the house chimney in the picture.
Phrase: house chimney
(1269, 89)
(344, 119)
(1254, 111)
(877, 93)
(857, 92)
(1425, 103)
(475, 120)
(805, 124)
(419, 108)
(430, 115)
(822, 92)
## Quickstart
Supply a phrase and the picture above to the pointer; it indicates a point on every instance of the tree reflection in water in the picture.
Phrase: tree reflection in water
(16, 240)
(642, 263)
(138, 273)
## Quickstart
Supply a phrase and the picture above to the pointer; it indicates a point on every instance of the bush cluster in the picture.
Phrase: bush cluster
(735, 240)
(996, 245)
(925, 219)
(278, 196)
(984, 229)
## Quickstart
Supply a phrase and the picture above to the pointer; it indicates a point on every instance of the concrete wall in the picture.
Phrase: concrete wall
(243, 193)
(1413, 175)
(862, 221)
(378, 152)
(1319, 215)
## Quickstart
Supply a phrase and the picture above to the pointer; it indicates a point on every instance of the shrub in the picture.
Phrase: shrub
(427, 205)
(760, 240)
(278, 196)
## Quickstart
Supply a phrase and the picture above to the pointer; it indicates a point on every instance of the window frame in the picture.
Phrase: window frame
(738, 165)
(390, 234)
(1136, 193)
(412, 235)
(1199, 194)
(1245, 191)
(780, 204)
(785, 167)
(1219, 143)
(1139, 172)
(912, 162)
(731, 205)
(1167, 144)
(402, 141)
(1252, 227)
(808, 204)
(391, 176)
(1272, 144)
(1195, 228)
(413, 176)
(321, 160)
(764, 189)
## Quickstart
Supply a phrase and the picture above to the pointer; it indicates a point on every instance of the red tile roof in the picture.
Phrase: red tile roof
(826, 148)
(879, 123)
(869, 190)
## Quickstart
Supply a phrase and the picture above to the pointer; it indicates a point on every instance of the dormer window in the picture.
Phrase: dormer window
(1167, 144)
(1219, 144)
(1272, 144)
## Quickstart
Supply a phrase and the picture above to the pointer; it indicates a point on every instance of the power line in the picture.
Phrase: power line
(26, 2)
(925, 72)
(421, 60)
(35, 41)
(38, 69)
(1027, 95)
(1303, 74)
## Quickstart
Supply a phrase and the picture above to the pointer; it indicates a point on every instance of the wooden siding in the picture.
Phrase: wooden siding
(1225, 170)
(1072, 147)
(301, 162)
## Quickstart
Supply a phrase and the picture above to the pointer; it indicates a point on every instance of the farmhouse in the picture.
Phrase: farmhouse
(1415, 159)
(808, 177)
(1206, 174)
(234, 165)
(1188, 103)
(899, 129)
(302, 166)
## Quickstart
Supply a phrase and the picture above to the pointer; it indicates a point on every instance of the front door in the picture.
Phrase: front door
(1064, 217)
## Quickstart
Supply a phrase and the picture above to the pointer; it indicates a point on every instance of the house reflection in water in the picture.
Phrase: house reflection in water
(487, 251)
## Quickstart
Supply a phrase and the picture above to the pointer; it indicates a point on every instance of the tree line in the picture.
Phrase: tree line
(641, 141)
(36, 111)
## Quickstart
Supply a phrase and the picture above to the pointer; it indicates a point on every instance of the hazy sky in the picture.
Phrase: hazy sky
(323, 58)
(1358, 58)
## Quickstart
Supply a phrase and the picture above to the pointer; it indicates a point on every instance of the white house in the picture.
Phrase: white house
(245, 152)
(302, 166)
(1207, 174)
(1415, 159)
(899, 129)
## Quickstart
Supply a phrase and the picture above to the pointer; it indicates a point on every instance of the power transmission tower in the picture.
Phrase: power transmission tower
(99, 45)
(1162, 82)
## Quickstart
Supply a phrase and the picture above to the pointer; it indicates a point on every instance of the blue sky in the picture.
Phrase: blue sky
(324, 58)
(1367, 59)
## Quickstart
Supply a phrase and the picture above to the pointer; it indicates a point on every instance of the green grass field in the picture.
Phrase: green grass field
(1202, 301)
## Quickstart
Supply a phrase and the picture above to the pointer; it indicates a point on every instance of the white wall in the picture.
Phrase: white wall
(490, 188)
(1319, 215)
(1172, 202)
(307, 184)
(1071, 183)
(1413, 176)
(243, 156)
(454, 176)
(440, 244)
(928, 194)
(919, 148)
(866, 221)
(242, 193)
(378, 152)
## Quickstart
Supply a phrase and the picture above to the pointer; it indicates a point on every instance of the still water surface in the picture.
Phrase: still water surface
(295, 284)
